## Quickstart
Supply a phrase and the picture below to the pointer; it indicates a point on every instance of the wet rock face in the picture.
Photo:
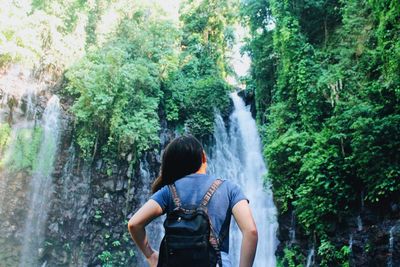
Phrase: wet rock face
(249, 99)
(89, 210)
(13, 208)
(89, 207)
(373, 240)
(22, 110)
(87, 224)
(395, 252)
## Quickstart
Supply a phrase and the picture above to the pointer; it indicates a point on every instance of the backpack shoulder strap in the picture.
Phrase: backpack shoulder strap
(211, 191)
(213, 239)
(175, 196)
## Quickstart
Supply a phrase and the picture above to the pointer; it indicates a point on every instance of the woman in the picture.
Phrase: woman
(184, 164)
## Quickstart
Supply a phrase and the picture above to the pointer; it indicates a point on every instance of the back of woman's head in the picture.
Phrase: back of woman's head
(181, 157)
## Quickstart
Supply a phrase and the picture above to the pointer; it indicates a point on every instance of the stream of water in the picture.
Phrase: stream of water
(156, 228)
(292, 229)
(236, 155)
(310, 257)
(391, 247)
(41, 186)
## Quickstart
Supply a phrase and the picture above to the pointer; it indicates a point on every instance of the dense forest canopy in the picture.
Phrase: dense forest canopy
(326, 82)
(324, 73)
(121, 68)
(135, 60)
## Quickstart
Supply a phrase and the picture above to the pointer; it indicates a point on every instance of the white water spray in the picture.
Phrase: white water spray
(236, 155)
(391, 247)
(359, 223)
(351, 242)
(155, 229)
(41, 186)
(310, 258)
(292, 230)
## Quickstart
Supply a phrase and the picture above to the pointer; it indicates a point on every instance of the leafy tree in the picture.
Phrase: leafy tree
(198, 86)
(118, 89)
(324, 75)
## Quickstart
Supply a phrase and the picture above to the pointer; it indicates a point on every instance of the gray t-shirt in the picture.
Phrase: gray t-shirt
(192, 188)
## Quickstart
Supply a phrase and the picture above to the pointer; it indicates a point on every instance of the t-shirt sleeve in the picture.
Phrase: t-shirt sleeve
(235, 194)
(162, 197)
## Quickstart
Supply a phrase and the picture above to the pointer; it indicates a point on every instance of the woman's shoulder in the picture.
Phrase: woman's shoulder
(161, 196)
(230, 188)
(228, 183)
(234, 191)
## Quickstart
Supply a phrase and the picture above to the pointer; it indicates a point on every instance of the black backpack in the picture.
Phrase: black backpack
(190, 239)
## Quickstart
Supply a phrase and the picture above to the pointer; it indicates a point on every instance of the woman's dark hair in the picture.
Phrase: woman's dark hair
(181, 157)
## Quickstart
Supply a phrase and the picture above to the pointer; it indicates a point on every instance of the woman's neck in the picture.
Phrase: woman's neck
(202, 169)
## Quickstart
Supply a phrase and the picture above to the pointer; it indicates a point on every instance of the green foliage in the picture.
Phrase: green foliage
(67, 247)
(206, 31)
(106, 259)
(193, 101)
(198, 85)
(67, 11)
(118, 89)
(98, 215)
(5, 131)
(116, 243)
(22, 150)
(40, 33)
(324, 194)
(117, 252)
(330, 255)
(286, 154)
(292, 257)
(325, 77)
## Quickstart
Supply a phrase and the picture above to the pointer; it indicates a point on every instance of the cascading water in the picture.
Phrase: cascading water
(350, 242)
(391, 247)
(155, 229)
(41, 186)
(359, 223)
(359, 219)
(236, 155)
(67, 174)
(351, 252)
(292, 230)
(19, 107)
(310, 258)
(146, 179)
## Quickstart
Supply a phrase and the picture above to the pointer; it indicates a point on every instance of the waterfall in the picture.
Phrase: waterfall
(351, 242)
(391, 247)
(359, 223)
(310, 258)
(359, 220)
(351, 252)
(292, 230)
(155, 229)
(67, 175)
(146, 179)
(362, 200)
(41, 186)
(20, 115)
(236, 155)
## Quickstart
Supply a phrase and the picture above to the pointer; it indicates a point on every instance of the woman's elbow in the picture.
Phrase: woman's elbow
(252, 233)
(133, 225)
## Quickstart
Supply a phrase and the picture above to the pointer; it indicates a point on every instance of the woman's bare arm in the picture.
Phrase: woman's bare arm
(136, 226)
(242, 214)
